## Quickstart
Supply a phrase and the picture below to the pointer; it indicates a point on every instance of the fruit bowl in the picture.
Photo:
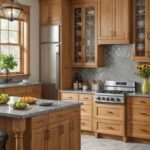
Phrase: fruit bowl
(19, 105)
(28, 99)
(4, 98)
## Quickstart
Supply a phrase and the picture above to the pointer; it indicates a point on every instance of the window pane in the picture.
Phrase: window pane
(14, 25)
(4, 36)
(17, 68)
(13, 37)
(4, 24)
(5, 49)
(15, 51)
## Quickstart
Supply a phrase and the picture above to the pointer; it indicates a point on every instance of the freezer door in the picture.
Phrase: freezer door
(49, 63)
(50, 34)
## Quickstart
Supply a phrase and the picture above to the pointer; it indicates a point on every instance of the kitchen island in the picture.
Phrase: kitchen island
(55, 127)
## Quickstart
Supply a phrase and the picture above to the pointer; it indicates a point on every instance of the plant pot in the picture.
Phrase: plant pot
(145, 86)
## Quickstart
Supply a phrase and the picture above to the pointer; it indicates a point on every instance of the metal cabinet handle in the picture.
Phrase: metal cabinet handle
(111, 128)
(144, 114)
(145, 131)
(110, 112)
(143, 102)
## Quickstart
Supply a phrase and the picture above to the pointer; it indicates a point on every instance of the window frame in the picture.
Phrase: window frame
(24, 43)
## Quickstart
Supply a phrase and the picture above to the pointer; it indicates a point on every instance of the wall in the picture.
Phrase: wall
(118, 66)
(34, 38)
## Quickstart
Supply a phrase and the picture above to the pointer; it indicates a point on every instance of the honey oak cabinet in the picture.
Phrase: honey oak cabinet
(85, 51)
(114, 21)
(86, 108)
(50, 12)
(141, 28)
(138, 117)
(31, 90)
(109, 119)
(38, 139)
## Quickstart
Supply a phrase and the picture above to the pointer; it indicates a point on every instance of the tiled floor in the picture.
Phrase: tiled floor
(92, 143)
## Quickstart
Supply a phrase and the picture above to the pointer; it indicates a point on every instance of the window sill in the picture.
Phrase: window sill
(15, 75)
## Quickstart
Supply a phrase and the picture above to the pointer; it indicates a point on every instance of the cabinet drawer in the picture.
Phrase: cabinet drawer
(138, 131)
(138, 101)
(63, 115)
(15, 91)
(86, 124)
(39, 121)
(110, 112)
(110, 127)
(33, 88)
(86, 97)
(86, 110)
(138, 114)
(69, 96)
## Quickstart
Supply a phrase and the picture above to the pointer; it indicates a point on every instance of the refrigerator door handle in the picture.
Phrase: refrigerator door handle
(57, 70)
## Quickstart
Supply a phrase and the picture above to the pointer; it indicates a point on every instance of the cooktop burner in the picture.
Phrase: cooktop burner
(114, 92)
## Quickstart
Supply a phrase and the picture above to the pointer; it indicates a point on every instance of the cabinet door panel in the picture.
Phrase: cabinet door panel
(105, 17)
(121, 19)
(39, 141)
(75, 135)
(44, 14)
(65, 135)
(54, 141)
(54, 12)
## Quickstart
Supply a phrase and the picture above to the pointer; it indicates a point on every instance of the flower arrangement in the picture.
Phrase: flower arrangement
(143, 71)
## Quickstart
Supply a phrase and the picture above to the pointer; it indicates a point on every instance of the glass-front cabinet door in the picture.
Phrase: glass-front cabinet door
(84, 36)
(142, 30)
(90, 26)
(77, 35)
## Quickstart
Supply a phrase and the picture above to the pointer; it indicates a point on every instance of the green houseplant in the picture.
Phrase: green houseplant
(7, 62)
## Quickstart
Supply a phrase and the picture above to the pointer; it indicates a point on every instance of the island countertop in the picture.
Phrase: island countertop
(35, 110)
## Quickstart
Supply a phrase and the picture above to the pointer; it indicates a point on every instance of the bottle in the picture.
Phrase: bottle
(80, 83)
(76, 82)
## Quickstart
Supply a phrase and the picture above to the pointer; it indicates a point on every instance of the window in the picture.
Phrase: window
(10, 41)
(14, 39)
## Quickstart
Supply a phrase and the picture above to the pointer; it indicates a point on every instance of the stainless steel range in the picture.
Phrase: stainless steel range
(114, 92)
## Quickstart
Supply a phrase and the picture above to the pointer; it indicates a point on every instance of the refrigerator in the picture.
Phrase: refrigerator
(50, 56)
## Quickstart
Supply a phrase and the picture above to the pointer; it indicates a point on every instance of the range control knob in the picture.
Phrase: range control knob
(112, 99)
(103, 98)
(108, 99)
(118, 100)
(98, 98)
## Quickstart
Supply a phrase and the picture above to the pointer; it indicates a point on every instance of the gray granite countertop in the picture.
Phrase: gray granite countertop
(7, 85)
(78, 91)
(35, 110)
(139, 94)
(93, 92)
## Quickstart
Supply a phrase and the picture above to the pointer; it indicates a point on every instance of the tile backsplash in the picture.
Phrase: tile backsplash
(118, 66)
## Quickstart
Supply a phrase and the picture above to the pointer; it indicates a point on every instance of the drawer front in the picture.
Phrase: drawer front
(1, 91)
(33, 88)
(86, 110)
(39, 121)
(110, 112)
(16, 91)
(138, 131)
(138, 114)
(113, 128)
(138, 101)
(69, 96)
(86, 97)
(86, 124)
(63, 115)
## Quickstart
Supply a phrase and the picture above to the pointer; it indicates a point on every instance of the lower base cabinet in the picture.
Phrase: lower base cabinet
(56, 131)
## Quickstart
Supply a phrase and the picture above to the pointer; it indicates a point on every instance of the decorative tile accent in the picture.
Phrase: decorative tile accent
(118, 66)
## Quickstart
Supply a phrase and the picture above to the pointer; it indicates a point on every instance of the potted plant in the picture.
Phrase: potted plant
(144, 73)
(7, 62)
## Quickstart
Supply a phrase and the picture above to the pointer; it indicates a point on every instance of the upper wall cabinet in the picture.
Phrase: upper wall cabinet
(141, 26)
(114, 21)
(50, 12)
(84, 36)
